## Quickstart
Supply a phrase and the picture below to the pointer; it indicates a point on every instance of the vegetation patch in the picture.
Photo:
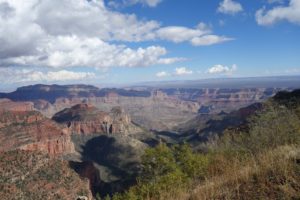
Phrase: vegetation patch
(261, 161)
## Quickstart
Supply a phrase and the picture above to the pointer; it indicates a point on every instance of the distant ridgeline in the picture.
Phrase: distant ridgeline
(160, 107)
(52, 92)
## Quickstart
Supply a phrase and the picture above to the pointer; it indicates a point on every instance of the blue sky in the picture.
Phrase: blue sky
(127, 41)
(256, 50)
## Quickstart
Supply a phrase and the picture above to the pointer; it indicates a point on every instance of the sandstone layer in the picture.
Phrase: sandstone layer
(30, 130)
(87, 119)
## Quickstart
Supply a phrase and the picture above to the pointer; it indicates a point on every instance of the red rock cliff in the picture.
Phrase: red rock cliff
(87, 119)
(30, 130)
(6, 104)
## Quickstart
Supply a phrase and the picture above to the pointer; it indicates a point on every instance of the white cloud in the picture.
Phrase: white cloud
(182, 71)
(220, 69)
(91, 19)
(62, 75)
(78, 17)
(72, 51)
(162, 74)
(63, 33)
(9, 75)
(181, 34)
(230, 7)
(200, 36)
(150, 3)
(209, 40)
(290, 13)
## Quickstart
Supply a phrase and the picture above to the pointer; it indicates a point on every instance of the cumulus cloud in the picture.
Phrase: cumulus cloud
(72, 51)
(209, 40)
(181, 34)
(62, 33)
(229, 7)
(182, 71)
(199, 36)
(220, 69)
(290, 13)
(162, 74)
(9, 75)
(150, 3)
(73, 33)
(90, 19)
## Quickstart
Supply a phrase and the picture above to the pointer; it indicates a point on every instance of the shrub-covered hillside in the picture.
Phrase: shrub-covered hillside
(35, 176)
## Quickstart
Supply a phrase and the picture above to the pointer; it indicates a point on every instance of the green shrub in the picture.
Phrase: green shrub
(166, 171)
(194, 165)
(275, 126)
(157, 162)
(272, 127)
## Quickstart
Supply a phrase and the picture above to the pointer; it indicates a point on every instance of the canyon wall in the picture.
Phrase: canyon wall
(30, 130)
(86, 119)
(151, 107)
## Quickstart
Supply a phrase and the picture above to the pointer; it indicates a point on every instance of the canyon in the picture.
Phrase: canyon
(72, 139)
(152, 107)
(100, 133)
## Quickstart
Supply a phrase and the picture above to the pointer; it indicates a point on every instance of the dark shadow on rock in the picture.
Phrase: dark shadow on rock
(87, 170)
(112, 155)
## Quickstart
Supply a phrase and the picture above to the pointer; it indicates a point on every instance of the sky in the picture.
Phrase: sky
(115, 42)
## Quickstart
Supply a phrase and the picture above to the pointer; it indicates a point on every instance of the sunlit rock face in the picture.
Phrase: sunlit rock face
(30, 130)
(8, 105)
(86, 119)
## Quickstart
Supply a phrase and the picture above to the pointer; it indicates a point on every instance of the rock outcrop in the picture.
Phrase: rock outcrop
(8, 105)
(86, 119)
(30, 130)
